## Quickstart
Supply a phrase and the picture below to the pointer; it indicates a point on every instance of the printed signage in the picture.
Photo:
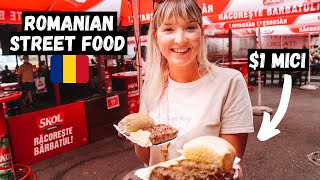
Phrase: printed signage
(133, 95)
(68, 33)
(9, 16)
(42, 134)
(113, 102)
(278, 59)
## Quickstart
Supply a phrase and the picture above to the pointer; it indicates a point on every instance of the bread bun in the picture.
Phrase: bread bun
(134, 122)
(211, 149)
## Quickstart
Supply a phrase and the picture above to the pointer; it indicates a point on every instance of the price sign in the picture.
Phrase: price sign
(278, 59)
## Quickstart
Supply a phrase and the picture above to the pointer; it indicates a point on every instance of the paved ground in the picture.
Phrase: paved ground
(282, 157)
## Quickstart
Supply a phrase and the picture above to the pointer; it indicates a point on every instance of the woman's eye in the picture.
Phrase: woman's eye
(191, 27)
(168, 29)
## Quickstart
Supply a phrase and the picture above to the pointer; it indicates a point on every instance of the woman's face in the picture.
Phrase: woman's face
(179, 41)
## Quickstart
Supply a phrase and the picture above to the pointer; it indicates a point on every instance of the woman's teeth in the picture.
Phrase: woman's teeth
(180, 50)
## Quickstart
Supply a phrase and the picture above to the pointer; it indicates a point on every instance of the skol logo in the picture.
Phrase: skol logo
(132, 86)
(50, 122)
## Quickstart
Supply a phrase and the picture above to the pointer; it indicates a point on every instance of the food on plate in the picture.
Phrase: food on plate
(142, 130)
(211, 149)
(206, 157)
(134, 122)
(141, 137)
(187, 169)
(161, 133)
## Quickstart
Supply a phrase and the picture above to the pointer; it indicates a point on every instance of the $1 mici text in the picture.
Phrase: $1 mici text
(253, 59)
(280, 60)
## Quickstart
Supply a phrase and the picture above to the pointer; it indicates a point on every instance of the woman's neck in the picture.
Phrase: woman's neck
(184, 74)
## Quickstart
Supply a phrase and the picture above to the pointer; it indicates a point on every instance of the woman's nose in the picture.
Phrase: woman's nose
(180, 37)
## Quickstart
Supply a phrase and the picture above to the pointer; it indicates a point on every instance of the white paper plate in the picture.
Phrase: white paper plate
(128, 137)
(144, 173)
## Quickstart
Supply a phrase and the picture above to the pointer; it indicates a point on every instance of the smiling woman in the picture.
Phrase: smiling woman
(184, 90)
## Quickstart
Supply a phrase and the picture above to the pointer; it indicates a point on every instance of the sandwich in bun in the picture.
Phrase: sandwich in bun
(134, 122)
(206, 157)
(212, 150)
(142, 130)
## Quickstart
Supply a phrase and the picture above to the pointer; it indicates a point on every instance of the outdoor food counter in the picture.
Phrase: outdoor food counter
(42, 134)
(103, 111)
(39, 135)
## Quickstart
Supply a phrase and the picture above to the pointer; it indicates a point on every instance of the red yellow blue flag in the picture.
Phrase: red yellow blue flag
(69, 69)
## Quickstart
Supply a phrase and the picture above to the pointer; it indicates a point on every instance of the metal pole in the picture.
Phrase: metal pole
(259, 110)
(136, 22)
(259, 72)
(309, 74)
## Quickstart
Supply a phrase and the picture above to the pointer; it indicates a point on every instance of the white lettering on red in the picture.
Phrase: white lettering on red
(131, 86)
(50, 121)
(4, 158)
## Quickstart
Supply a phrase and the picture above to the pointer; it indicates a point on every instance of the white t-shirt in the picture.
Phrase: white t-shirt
(208, 106)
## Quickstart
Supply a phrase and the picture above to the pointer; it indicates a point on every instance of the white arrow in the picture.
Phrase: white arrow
(268, 128)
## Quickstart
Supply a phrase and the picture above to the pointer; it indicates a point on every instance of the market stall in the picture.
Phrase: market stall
(72, 121)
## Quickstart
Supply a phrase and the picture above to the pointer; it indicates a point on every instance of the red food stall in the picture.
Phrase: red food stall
(41, 134)
(128, 81)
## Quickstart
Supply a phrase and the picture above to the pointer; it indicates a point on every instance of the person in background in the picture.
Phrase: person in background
(143, 59)
(25, 80)
(315, 64)
(184, 90)
(7, 75)
(93, 61)
(43, 71)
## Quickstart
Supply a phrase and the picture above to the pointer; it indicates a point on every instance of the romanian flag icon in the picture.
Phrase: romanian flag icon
(69, 69)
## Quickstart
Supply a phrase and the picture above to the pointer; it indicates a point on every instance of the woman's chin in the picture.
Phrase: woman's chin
(181, 63)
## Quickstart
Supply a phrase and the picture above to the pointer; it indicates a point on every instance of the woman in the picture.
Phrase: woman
(184, 90)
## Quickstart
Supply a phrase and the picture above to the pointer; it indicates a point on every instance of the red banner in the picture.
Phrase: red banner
(306, 29)
(10, 16)
(42, 134)
(145, 12)
(213, 7)
(286, 20)
(261, 13)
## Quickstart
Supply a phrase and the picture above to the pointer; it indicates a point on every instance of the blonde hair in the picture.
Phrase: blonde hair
(157, 70)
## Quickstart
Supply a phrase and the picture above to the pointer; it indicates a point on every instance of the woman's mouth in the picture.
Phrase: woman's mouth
(181, 51)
